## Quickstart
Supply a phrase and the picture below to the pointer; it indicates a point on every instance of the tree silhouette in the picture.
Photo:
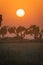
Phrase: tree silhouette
(0, 33)
(0, 19)
(3, 31)
(34, 30)
(42, 31)
(11, 30)
(27, 32)
(20, 31)
(41, 34)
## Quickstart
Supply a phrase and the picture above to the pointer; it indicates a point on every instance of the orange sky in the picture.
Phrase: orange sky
(33, 12)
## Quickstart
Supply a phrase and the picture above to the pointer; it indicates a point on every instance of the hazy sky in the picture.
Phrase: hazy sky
(33, 12)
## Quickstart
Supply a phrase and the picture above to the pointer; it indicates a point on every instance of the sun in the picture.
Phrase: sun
(20, 12)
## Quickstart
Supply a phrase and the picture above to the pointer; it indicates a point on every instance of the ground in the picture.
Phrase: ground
(21, 53)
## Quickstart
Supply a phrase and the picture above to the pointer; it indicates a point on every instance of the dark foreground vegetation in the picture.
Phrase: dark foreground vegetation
(21, 52)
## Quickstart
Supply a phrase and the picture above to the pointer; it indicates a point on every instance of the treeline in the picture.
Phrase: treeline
(21, 31)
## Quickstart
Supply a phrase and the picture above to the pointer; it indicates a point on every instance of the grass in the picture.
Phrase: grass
(21, 53)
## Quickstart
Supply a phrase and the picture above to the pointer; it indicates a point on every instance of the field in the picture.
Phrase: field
(21, 53)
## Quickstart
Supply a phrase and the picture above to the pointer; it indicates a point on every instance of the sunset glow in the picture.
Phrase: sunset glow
(33, 12)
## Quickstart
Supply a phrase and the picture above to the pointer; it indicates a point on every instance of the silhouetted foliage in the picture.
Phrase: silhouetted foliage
(42, 31)
(41, 34)
(11, 30)
(3, 31)
(34, 30)
(21, 31)
(0, 19)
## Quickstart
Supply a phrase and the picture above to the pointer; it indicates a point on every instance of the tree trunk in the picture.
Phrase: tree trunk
(35, 36)
(21, 37)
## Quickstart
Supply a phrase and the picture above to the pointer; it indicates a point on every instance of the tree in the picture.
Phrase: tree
(0, 19)
(41, 34)
(0, 33)
(20, 32)
(34, 30)
(42, 31)
(27, 32)
(3, 31)
(11, 30)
